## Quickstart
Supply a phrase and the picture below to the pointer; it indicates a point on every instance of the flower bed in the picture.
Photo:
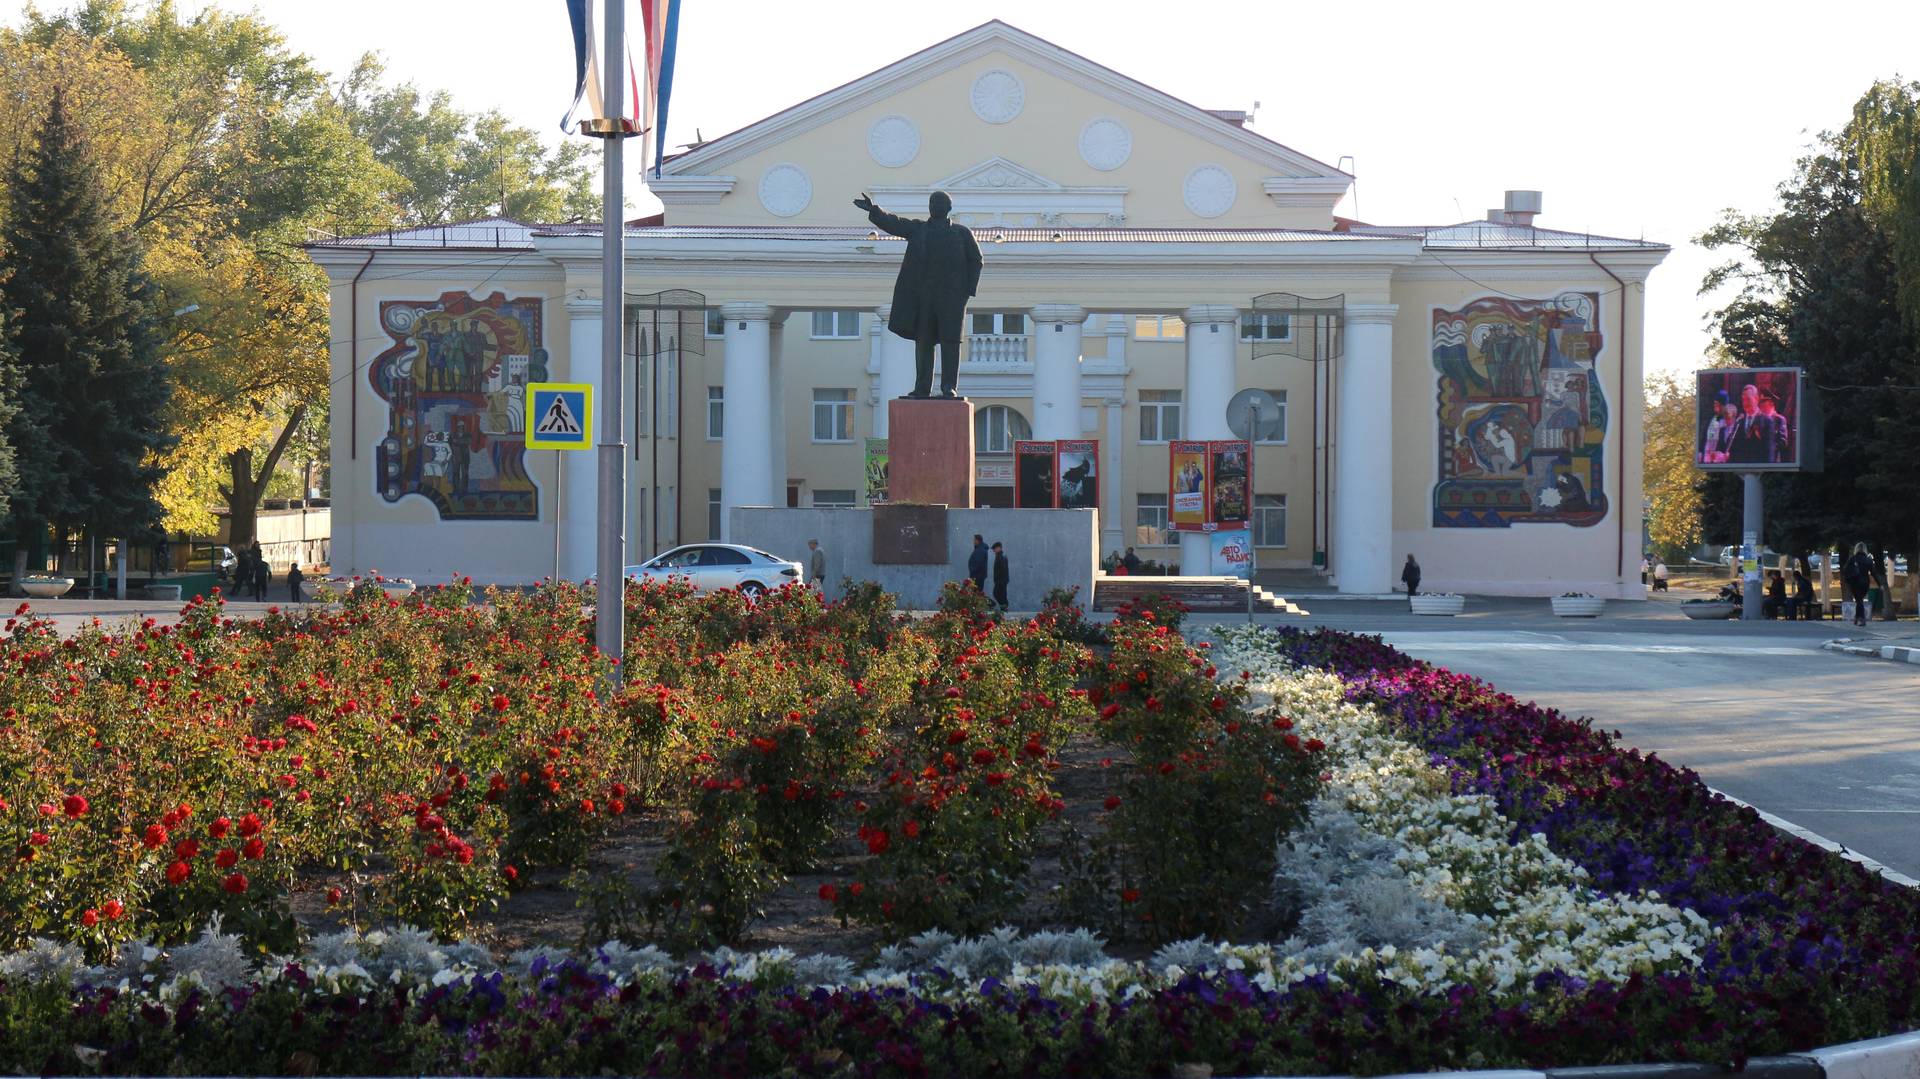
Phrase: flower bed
(1484, 883)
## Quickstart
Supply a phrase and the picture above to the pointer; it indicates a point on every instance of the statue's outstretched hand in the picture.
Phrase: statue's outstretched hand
(864, 202)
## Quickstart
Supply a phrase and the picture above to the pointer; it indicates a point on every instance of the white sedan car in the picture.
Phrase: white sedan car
(711, 566)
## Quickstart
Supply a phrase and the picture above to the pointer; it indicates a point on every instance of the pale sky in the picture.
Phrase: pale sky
(1635, 119)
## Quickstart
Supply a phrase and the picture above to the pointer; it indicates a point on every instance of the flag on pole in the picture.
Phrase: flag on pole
(588, 85)
(662, 21)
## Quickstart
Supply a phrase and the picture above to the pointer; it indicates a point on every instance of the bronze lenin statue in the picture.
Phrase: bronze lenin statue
(941, 271)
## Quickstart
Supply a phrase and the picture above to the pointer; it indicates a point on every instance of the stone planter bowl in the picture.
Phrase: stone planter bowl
(46, 587)
(1578, 606)
(1710, 609)
(1438, 605)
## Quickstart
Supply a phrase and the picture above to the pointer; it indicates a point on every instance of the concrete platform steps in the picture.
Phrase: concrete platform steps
(1214, 595)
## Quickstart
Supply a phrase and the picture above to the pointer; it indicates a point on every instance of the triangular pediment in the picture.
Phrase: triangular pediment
(1000, 174)
(1031, 116)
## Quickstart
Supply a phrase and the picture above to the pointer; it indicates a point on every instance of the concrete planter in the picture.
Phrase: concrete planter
(1578, 606)
(46, 587)
(1710, 609)
(1438, 604)
(162, 591)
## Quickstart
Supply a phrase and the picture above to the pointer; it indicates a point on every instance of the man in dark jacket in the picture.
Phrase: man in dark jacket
(977, 563)
(999, 576)
(940, 271)
(1857, 575)
(1410, 576)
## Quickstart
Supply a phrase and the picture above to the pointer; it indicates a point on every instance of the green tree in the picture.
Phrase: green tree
(10, 380)
(458, 166)
(94, 385)
(1820, 286)
(1667, 466)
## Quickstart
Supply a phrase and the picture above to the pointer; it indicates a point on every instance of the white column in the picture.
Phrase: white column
(1056, 370)
(777, 387)
(896, 368)
(746, 450)
(1362, 553)
(1213, 337)
(579, 500)
(1113, 533)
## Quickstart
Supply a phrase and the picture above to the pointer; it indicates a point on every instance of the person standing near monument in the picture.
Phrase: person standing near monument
(977, 563)
(940, 273)
(999, 576)
(817, 566)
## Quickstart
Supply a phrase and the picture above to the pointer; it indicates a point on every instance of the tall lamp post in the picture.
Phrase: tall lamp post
(610, 625)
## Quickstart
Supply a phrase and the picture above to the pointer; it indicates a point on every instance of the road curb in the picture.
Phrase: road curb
(1898, 653)
(1894, 1057)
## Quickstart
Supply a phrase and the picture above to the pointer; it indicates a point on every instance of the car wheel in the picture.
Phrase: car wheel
(753, 590)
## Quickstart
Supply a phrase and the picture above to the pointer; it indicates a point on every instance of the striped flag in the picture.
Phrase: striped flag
(662, 21)
(587, 35)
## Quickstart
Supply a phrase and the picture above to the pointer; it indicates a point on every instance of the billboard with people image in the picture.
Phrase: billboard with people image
(1750, 419)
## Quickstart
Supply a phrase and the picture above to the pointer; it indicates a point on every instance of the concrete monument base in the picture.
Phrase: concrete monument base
(930, 452)
(1045, 549)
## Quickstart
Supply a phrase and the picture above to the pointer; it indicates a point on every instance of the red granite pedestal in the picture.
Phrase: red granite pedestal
(930, 453)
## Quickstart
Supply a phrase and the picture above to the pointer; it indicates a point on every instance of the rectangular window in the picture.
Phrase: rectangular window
(716, 326)
(833, 415)
(836, 325)
(1266, 327)
(1159, 415)
(641, 411)
(713, 513)
(833, 500)
(639, 539)
(716, 412)
(1159, 328)
(1269, 520)
(1273, 429)
(1150, 520)
(671, 412)
(999, 323)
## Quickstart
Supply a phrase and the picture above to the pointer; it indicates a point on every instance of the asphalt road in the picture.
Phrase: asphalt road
(1827, 741)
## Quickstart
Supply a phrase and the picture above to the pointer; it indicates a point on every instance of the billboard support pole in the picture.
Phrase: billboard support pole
(1752, 510)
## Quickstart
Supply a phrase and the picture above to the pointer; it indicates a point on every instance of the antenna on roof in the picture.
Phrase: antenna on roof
(1351, 167)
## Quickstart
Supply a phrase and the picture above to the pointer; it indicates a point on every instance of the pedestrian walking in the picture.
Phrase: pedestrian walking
(294, 580)
(977, 563)
(262, 576)
(817, 566)
(999, 576)
(1410, 576)
(1660, 576)
(1857, 575)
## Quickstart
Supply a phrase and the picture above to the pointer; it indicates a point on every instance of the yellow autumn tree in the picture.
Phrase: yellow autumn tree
(1673, 519)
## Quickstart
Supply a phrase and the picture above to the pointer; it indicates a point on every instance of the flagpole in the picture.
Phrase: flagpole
(610, 632)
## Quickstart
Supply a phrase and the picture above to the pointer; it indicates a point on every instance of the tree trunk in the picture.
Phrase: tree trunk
(19, 566)
(245, 486)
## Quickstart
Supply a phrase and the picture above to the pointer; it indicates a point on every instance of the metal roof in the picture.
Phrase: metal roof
(1498, 235)
(986, 234)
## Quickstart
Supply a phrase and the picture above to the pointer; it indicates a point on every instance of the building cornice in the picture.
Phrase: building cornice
(673, 190)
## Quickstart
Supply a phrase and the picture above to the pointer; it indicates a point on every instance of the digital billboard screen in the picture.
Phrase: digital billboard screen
(1749, 419)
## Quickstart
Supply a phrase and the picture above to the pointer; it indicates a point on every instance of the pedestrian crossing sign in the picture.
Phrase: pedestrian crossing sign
(559, 416)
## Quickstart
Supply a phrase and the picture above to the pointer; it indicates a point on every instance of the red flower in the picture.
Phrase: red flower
(333, 897)
(226, 858)
(912, 828)
(765, 745)
(856, 888)
(829, 894)
(254, 848)
(112, 908)
(1112, 803)
(1131, 895)
(877, 841)
(235, 884)
(74, 806)
(953, 692)
(510, 873)
(218, 829)
(178, 872)
(155, 838)
(1109, 711)
(994, 779)
(39, 839)
(89, 917)
(249, 825)
(186, 849)
(983, 756)
(501, 703)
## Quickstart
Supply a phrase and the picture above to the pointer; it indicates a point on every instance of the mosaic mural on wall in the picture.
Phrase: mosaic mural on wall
(455, 385)
(1523, 419)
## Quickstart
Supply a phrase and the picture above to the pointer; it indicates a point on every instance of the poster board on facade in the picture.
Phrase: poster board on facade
(1033, 475)
(1076, 463)
(1229, 484)
(1751, 419)
(876, 471)
(1187, 482)
(1232, 553)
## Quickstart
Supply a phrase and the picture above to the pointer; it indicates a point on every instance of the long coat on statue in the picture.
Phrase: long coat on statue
(940, 272)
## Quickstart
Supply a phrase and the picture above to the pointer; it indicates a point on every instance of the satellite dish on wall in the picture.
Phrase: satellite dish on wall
(1250, 411)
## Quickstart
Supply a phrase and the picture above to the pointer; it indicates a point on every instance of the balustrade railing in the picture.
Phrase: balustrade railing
(1000, 349)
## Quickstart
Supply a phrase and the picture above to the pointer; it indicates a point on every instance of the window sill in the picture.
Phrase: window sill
(833, 441)
(847, 337)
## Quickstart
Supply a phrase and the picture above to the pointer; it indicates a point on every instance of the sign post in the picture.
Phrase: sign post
(559, 417)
